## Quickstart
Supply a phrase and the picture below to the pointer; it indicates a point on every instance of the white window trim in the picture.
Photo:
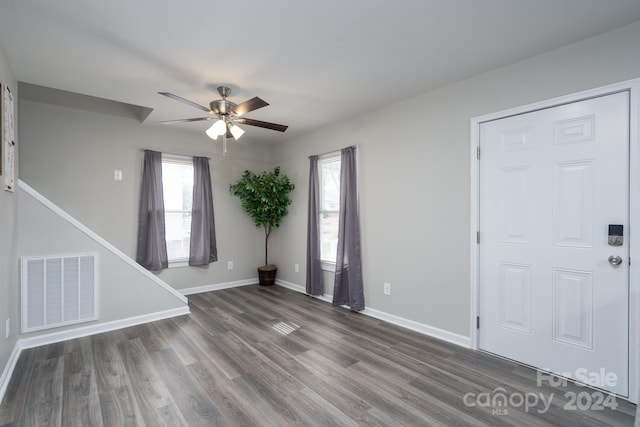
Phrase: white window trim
(177, 158)
(182, 262)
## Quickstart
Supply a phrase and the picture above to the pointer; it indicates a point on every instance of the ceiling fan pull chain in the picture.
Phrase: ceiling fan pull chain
(224, 145)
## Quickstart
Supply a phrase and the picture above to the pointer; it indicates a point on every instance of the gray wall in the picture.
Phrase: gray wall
(123, 291)
(415, 180)
(8, 244)
(69, 156)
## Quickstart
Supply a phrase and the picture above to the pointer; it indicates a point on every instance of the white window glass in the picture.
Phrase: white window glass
(177, 182)
(329, 175)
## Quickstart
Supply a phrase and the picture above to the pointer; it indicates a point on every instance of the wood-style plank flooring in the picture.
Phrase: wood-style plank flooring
(255, 356)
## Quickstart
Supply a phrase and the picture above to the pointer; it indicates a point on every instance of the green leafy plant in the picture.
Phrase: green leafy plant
(265, 198)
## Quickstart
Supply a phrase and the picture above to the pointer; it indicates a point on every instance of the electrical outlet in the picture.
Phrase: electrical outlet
(7, 326)
(229, 265)
(297, 268)
(387, 288)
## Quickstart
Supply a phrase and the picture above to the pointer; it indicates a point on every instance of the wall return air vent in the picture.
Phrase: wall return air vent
(58, 290)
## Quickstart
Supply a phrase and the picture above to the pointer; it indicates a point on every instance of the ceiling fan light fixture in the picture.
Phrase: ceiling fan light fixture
(217, 129)
(236, 131)
(211, 133)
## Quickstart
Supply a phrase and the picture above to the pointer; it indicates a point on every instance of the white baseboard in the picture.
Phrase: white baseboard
(83, 331)
(87, 330)
(8, 369)
(422, 328)
(218, 286)
(301, 289)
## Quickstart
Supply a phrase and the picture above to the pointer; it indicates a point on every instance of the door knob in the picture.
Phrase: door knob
(615, 260)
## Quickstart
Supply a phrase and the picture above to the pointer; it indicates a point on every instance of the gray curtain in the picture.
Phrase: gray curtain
(347, 288)
(203, 248)
(152, 246)
(314, 270)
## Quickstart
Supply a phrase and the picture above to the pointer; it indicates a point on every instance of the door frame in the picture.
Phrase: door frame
(633, 86)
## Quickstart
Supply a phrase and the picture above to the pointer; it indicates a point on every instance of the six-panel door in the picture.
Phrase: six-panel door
(551, 182)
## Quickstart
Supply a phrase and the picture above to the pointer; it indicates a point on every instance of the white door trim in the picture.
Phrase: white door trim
(633, 86)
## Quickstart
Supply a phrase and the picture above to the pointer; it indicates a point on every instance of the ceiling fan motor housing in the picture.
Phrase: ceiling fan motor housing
(221, 106)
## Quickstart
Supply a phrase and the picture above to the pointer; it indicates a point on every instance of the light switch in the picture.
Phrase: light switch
(117, 175)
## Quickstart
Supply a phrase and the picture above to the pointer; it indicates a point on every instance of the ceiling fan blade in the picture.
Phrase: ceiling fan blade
(248, 106)
(196, 119)
(186, 101)
(261, 124)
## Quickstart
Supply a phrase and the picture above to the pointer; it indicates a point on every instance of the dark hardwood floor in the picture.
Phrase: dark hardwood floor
(255, 356)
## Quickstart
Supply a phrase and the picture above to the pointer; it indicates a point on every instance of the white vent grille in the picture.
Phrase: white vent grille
(59, 290)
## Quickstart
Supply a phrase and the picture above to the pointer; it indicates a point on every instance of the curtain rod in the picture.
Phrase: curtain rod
(173, 154)
(355, 147)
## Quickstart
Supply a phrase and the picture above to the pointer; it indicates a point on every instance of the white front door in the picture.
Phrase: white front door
(551, 183)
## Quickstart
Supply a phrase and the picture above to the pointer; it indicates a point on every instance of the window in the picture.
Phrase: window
(177, 183)
(329, 175)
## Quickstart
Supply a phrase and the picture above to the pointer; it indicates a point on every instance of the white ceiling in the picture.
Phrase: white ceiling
(315, 62)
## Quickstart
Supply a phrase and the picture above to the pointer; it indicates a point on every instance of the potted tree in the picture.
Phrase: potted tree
(265, 198)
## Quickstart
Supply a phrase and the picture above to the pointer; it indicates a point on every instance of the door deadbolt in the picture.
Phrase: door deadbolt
(615, 237)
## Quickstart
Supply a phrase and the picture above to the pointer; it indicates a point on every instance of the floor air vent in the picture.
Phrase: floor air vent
(58, 290)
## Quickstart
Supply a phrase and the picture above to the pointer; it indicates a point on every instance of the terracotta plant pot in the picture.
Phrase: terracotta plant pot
(267, 275)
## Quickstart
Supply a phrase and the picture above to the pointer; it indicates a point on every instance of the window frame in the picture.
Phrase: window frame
(183, 160)
(325, 264)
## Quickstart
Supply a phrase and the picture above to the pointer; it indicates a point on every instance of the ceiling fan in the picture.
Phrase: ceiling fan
(226, 115)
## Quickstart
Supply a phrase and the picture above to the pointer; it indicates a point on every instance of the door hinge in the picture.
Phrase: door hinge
(477, 322)
(478, 153)
(478, 237)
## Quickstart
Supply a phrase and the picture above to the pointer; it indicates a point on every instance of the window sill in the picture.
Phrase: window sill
(179, 263)
(328, 266)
